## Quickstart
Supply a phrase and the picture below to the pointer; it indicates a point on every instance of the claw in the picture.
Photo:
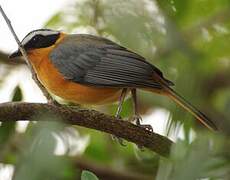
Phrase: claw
(137, 119)
(74, 107)
(53, 102)
(118, 117)
(147, 127)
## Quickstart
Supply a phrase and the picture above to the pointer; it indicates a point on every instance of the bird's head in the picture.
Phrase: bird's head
(36, 39)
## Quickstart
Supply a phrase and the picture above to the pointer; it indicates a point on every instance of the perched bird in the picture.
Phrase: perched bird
(87, 69)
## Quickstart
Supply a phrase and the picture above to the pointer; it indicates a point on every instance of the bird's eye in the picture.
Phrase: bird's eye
(35, 39)
(40, 41)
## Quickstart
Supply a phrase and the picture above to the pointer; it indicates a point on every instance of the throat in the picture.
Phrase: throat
(37, 57)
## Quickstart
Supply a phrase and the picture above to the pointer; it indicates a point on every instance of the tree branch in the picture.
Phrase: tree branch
(90, 119)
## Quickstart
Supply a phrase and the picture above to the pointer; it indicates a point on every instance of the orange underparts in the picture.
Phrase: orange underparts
(66, 89)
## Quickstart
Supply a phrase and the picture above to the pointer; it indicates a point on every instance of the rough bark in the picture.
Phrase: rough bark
(90, 119)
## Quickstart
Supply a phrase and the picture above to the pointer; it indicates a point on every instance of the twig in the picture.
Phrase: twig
(21, 48)
(89, 119)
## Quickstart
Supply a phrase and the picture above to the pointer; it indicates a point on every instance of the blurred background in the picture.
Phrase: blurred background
(188, 40)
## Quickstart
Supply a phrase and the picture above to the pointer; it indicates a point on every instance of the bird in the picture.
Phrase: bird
(93, 70)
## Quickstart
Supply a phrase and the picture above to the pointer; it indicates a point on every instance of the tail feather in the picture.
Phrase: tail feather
(190, 108)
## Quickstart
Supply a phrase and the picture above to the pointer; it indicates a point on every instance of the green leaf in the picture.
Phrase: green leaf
(87, 175)
(17, 95)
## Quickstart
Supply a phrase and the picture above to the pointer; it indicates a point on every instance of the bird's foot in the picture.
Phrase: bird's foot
(74, 107)
(52, 101)
(116, 138)
(137, 120)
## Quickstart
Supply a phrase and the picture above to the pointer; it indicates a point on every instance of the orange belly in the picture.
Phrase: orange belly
(70, 91)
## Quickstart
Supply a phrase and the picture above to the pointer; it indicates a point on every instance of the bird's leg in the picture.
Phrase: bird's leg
(121, 100)
(118, 112)
(52, 101)
(137, 118)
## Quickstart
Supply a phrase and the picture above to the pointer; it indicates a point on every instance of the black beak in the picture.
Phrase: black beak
(15, 54)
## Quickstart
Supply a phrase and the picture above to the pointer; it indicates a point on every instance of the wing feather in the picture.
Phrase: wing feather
(92, 60)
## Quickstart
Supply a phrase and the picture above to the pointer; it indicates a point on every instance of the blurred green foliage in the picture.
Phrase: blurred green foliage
(37, 154)
(190, 42)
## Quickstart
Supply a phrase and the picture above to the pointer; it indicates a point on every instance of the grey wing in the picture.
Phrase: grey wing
(91, 60)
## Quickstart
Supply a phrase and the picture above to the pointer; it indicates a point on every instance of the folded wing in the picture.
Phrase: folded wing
(96, 61)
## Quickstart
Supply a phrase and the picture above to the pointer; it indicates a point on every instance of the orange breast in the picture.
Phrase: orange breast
(74, 92)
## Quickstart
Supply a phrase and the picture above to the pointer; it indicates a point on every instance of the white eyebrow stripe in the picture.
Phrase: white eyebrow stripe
(34, 33)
